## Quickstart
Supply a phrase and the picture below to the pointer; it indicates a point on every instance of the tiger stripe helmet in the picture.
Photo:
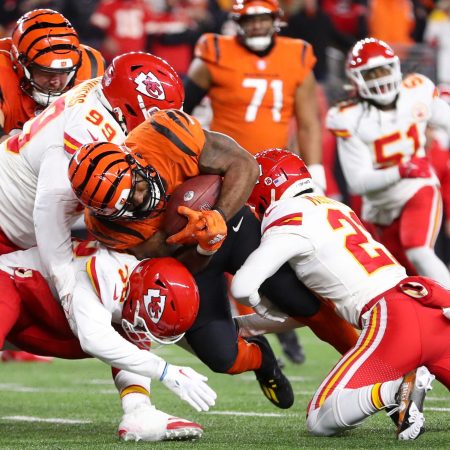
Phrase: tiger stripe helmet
(104, 176)
(44, 39)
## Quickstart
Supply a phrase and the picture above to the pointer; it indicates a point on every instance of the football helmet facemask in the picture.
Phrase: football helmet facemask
(105, 178)
(282, 174)
(243, 10)
(161, 304)
(364, 60)
(136, 84)
(45, 40)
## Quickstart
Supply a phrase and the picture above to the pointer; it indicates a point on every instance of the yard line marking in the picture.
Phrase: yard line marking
(251, 414)
(41, 419)
(437, 409)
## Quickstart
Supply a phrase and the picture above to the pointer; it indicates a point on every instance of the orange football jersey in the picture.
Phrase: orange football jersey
(252, 97)
(171, 142)
(16, 105)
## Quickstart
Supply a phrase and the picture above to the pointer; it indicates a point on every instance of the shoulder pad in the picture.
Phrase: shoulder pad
(208, 47)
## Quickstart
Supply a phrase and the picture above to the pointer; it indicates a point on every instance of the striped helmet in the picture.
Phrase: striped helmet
(44, 39)
(104, 177)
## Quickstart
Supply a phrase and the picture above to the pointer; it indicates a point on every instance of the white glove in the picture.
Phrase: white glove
(267, 310)
(189, 385)
(317, 172)
(446, 312)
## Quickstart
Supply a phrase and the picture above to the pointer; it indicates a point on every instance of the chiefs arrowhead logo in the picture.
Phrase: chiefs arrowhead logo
(149, 85)
(154, 304)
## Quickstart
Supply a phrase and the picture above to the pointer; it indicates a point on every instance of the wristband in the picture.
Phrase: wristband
(221, 213)
(204, 252)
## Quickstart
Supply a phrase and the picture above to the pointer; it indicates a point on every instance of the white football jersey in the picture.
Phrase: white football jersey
(372, 143)
(37, 205)
(329, 250)
(98, 298)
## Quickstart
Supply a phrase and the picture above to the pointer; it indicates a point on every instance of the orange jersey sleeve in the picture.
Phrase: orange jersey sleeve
(92, 64)
(253, 101)
(171, 141)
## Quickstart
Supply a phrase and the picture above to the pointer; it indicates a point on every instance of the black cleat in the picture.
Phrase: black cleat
(291, 346)
(274, 384)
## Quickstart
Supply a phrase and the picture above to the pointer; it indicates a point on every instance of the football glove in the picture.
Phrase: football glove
(189, 385)
(416, 167)
(196, 222)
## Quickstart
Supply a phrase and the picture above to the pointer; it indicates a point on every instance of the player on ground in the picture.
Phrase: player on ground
(381, 138)
(402, 318)
(120, 307)
(41, 60)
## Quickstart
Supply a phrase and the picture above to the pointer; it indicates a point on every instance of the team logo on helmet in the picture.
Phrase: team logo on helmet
(150, 86)
(154, 304)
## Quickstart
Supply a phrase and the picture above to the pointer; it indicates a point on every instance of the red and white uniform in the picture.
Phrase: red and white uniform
(372, 143)
(334, 256)
(97, 303)
(37, 205)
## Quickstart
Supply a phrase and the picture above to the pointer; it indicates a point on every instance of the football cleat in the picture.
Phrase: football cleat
(20, 356)
(149, 424)
(410, 398)
(274, 384)
(291, 346)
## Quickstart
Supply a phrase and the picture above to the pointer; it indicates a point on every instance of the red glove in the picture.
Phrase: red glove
(416, 167)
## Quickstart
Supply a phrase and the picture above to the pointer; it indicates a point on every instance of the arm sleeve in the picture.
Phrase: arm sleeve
(98, 338)
(273, 251)
(358, 169)
(54, 213)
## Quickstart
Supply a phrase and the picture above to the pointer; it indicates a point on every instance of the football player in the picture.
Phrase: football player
(404, 320)
(258, 82)
(381, 138)
(41, 60)
(124, 190)
(36, 200)
(120, 307)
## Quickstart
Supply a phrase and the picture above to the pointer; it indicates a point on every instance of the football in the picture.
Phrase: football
(199, 193)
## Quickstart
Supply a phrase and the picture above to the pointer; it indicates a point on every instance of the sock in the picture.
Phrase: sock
(249, 357)
(134, 389)
(427, 263)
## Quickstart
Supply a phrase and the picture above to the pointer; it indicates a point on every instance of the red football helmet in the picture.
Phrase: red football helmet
(282, 174)
(104, 177)
(44, 39)
(366, 55)
(135, 84)
(243, 9)
(162, 302)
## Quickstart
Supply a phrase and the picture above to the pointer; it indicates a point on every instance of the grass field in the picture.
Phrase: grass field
(73, 405)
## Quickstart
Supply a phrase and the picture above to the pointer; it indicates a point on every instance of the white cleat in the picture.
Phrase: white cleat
(410, 396)
(149, 424)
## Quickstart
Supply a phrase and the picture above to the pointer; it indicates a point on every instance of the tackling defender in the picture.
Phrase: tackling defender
(404, 320)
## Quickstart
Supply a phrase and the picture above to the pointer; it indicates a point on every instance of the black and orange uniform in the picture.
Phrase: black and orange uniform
(253, 96)
(172, 141)
(16, 105)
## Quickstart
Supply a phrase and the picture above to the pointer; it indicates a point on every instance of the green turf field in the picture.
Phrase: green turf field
(36, 397)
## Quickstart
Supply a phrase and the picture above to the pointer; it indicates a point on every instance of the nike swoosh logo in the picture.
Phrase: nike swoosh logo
(236, 228)
(94, 139)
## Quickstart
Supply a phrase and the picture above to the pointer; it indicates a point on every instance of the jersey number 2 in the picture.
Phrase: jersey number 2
(362, 248)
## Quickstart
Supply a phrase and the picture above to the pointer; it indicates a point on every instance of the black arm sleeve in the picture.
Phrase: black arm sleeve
(194, 95)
